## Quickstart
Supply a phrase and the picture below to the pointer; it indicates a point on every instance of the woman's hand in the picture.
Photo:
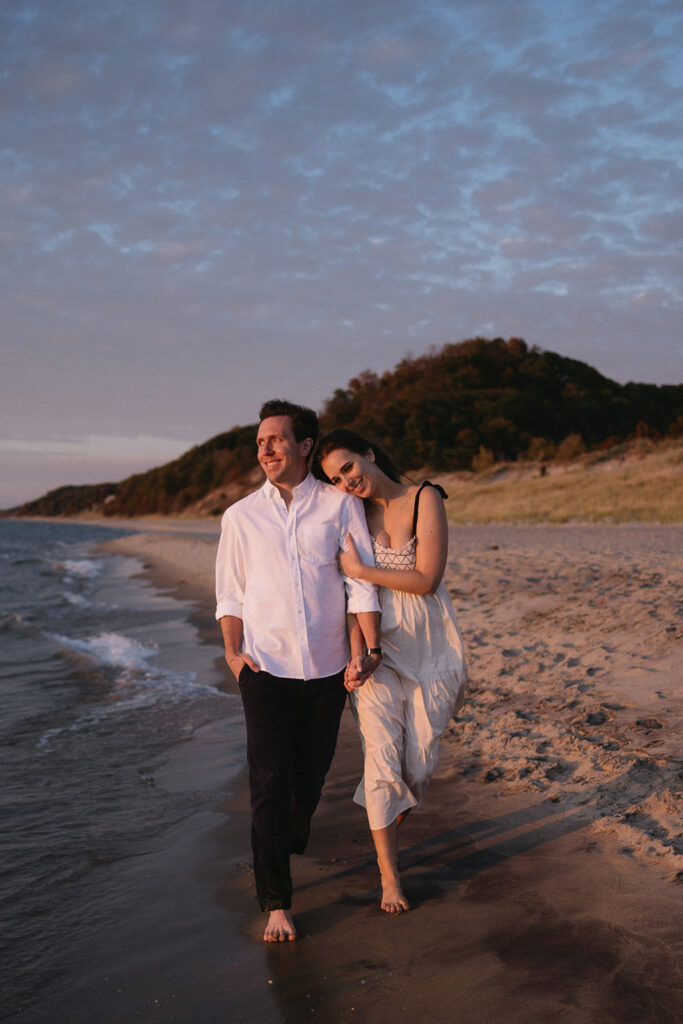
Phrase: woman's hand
(350, 561)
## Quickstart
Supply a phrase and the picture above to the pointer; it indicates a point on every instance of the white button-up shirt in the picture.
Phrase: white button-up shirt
(277, 571)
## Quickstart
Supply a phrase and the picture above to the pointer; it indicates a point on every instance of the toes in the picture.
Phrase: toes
(280, 928)
(393, 900)
(279, 935)
(391, 907)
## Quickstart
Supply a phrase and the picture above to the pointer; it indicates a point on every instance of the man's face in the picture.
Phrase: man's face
(281, 456)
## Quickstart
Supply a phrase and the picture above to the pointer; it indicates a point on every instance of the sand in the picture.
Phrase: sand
(545, 870)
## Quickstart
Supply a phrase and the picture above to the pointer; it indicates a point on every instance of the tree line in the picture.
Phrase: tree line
(465, 406)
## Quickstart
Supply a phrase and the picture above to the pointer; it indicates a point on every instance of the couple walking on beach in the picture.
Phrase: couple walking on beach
(322, 590)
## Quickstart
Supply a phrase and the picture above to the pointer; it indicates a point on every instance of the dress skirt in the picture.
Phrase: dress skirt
(405, 707)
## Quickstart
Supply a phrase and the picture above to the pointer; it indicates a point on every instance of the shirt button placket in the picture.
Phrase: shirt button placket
(295, 563)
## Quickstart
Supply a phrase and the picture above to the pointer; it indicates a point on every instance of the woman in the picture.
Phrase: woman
(405, 706)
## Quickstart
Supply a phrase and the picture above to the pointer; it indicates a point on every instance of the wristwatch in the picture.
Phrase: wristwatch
(375, 650)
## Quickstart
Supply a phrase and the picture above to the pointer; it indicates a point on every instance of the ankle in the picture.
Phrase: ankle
(390, 875)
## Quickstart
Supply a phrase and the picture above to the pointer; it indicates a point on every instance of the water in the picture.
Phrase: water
(101, 677)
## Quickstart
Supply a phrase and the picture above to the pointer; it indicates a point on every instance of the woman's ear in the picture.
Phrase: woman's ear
(370, 455)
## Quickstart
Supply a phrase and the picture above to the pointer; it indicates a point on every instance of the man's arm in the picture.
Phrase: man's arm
(356, 638)
(230, 597)
(362, 602)
(361, 596)
(369, 624)
(365, 635)
(231, 628)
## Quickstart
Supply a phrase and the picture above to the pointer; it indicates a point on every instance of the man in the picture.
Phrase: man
(284, 610)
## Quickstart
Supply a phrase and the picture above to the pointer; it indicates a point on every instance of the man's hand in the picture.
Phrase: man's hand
(238, 660)
(359, 669)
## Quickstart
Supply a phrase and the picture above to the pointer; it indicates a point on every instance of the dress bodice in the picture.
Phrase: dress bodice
(395, 558)
(405, 557)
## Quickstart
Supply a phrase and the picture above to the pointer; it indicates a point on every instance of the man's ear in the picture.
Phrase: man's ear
(307, 445)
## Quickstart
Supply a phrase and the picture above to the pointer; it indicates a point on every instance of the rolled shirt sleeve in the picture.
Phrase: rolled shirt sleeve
(229, 571)
(360, 595)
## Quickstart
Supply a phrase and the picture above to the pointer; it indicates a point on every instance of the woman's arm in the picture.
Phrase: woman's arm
(431, 553)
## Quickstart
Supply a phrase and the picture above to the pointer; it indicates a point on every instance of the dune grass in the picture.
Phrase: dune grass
(637, 484)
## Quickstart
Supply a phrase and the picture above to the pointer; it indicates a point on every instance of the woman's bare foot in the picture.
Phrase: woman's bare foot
(280, 927)
(386, 845)
(402, 816)
(393, 900)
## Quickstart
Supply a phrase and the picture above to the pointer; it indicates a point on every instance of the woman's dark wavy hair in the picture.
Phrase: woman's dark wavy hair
(353, 442)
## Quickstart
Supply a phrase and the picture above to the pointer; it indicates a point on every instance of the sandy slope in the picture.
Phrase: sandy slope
(574, 638)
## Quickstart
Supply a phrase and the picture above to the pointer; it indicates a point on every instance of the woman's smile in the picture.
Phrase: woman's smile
(345, 470)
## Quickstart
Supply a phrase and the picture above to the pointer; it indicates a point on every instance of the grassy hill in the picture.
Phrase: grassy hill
(637, 482)
(468, 407)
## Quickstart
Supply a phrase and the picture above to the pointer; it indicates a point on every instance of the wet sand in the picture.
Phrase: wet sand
(545, 870)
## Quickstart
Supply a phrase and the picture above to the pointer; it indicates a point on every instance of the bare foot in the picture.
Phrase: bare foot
(402, 816)
(393, 900)
(280, 927)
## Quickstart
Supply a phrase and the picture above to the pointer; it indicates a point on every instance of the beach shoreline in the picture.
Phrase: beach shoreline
(545, 868)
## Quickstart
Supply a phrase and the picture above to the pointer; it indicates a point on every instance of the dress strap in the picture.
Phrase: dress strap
(426, 483)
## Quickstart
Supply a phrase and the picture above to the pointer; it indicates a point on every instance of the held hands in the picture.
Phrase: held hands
(350, 561)
(353, 673)
(359, 668)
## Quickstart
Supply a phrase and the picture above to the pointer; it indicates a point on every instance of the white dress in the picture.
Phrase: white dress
(405, 707)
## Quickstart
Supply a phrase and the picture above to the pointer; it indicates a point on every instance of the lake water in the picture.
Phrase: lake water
(101, 677)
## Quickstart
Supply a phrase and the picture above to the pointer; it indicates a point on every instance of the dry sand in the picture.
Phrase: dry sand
(546, 867)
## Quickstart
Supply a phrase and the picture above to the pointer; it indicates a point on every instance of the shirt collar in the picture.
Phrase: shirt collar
(301, 490)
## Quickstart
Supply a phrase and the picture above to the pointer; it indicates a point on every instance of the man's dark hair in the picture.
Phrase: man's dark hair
(304, 421)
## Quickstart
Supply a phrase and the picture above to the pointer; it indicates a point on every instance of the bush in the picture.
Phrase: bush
(482, 460)
(540, 449)
(570, 448)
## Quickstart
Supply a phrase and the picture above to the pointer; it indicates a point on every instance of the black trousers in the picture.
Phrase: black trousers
(292, 728)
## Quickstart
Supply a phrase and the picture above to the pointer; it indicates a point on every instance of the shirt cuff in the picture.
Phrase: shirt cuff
(228, 606)
(363, 599)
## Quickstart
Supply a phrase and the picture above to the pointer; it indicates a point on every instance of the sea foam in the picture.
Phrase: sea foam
(135, 683)
(112, 649)
(80, 568)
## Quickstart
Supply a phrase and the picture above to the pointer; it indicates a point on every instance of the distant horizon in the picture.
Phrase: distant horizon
(205, 204)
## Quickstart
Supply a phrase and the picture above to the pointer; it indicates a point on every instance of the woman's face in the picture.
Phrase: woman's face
(350, 472)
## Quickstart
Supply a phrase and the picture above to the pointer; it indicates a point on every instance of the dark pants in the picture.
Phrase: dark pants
(292, 728)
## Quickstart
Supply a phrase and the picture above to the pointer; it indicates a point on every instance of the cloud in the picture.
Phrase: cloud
(97, 446)
(205, 203)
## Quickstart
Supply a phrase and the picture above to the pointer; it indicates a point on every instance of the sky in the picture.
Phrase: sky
(207, 204)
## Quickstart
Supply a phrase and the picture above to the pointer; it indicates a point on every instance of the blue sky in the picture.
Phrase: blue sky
(206, 204)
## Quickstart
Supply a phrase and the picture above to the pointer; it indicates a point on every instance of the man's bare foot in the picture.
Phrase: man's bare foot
(280, 927)
(393, 900)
